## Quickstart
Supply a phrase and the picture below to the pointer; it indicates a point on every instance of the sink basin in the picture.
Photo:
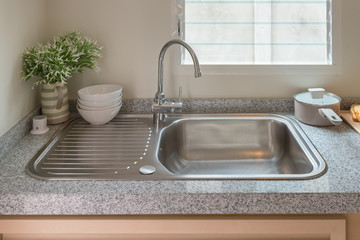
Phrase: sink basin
(238, 147)
(187, 146)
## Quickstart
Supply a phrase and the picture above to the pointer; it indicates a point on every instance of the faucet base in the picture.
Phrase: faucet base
(159, 117)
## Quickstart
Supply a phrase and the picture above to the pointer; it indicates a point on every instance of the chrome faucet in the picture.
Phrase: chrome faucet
(161, 106)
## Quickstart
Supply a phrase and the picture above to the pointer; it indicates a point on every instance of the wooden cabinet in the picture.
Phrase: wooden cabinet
(173, 227)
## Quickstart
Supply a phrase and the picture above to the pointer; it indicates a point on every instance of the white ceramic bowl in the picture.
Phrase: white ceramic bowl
(84, 107)
(99, 104)
(103, 92)
(99, 117)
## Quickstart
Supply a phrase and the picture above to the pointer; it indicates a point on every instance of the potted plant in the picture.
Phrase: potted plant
(53, 64)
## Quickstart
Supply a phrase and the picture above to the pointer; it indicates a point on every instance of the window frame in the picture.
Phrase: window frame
(334, 68)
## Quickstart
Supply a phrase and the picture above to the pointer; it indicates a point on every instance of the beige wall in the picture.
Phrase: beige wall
(21, 24)
(133, 32)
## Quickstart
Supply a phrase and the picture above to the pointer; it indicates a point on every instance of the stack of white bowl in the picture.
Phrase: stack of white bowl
(99, 104)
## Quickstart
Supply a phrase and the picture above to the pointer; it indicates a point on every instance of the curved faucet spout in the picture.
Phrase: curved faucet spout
(160, 95)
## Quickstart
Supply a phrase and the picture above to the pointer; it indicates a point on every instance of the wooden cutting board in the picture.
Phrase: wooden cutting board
(346, 116)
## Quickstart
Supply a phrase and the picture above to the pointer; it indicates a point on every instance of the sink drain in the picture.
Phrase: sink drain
(147, 170)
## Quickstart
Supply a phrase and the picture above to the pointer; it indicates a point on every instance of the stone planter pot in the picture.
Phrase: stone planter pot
(55, 103)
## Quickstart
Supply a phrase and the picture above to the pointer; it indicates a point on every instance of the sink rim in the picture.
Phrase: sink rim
(163, 173)
(319, 164)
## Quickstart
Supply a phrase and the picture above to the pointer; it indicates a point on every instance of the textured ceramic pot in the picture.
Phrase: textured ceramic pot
(55, 103)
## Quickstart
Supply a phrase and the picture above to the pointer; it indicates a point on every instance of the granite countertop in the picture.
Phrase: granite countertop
(338, 191)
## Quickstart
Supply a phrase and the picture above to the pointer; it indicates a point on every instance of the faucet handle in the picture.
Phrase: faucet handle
(180, 94)
(177, 107)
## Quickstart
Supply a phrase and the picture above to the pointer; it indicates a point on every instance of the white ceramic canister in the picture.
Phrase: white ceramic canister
(55, 103)
(317, 107)
(39, 125)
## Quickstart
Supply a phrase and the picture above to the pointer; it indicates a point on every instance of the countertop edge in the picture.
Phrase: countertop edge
(178, 204)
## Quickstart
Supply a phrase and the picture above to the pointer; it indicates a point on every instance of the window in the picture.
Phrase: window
(258, 32)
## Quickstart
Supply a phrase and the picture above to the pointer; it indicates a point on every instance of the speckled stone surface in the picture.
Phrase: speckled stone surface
(211, 105)
(338, 191)
(13, 136)
(220, 105)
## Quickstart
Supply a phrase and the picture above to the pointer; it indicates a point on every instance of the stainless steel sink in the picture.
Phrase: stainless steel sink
(248, 146)
(187, 146)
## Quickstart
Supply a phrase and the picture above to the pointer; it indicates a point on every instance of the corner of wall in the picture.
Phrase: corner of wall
(22, 24)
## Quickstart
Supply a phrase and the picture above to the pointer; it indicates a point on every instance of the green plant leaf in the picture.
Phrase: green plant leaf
(56, 62)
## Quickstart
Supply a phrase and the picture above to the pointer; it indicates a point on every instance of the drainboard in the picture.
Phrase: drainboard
(81, 150)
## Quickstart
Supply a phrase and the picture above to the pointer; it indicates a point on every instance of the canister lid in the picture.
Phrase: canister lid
(317, 96)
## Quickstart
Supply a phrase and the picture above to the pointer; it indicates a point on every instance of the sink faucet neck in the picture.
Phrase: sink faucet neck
(160, 104)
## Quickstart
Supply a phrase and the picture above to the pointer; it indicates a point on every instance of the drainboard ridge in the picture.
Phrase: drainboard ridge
(85, 150)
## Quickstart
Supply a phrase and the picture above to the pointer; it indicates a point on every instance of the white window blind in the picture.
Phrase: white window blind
(294, 32)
